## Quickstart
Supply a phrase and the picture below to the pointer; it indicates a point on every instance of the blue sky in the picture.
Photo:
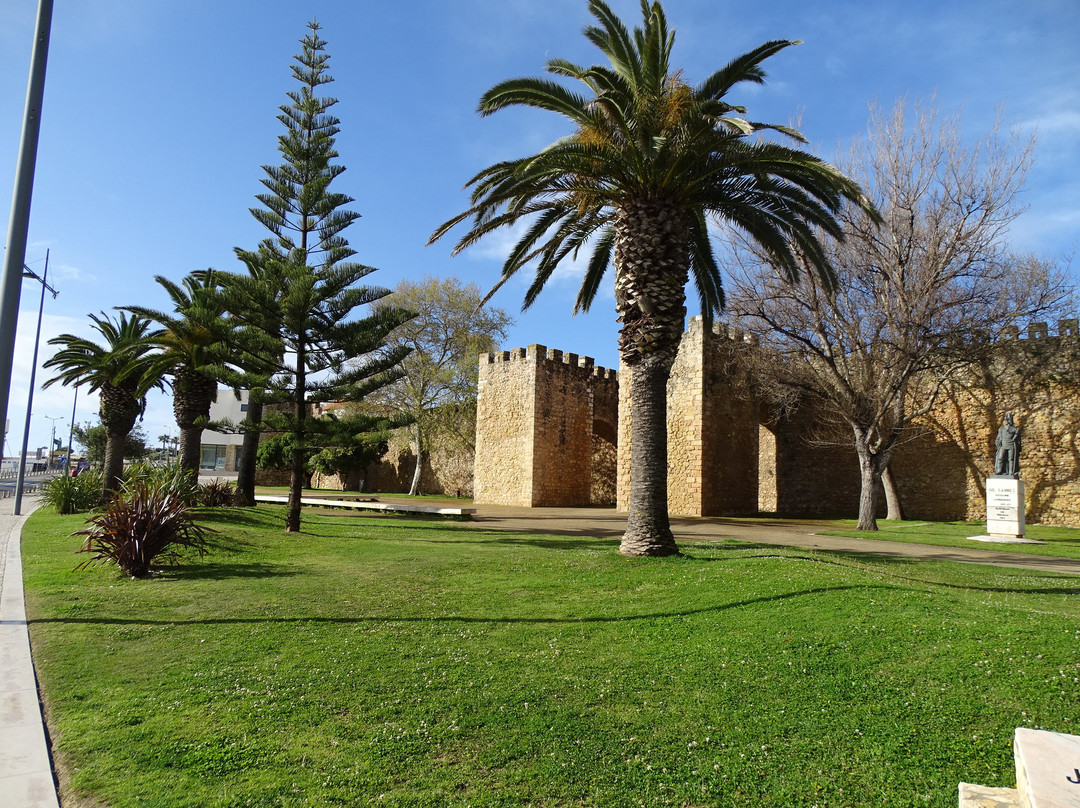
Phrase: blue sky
(158, 116)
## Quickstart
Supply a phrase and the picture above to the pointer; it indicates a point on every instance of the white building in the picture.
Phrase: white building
(221, 450)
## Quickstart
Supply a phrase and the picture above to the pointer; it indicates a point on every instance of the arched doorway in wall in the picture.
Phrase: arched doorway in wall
(604, 463)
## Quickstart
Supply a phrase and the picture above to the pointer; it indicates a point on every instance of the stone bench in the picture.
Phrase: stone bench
(1047, 774)
(370, 506)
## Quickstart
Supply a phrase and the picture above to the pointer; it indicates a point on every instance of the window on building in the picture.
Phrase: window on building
(213, 457)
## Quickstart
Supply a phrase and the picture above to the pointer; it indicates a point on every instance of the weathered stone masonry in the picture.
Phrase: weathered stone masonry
(546, 424)
(545, 429)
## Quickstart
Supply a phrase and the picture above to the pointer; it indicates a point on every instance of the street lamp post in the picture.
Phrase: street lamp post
(29, 273)
(52, 440)
(15, 253)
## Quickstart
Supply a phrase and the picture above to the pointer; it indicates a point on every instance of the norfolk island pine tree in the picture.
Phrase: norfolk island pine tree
(302, 324)
(649, 161)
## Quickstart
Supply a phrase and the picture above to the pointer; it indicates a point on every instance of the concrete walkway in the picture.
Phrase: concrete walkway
(26, 778)
(607, 523)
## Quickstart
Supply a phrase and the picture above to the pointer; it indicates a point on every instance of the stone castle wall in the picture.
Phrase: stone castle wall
(728, 454)
(544, 420)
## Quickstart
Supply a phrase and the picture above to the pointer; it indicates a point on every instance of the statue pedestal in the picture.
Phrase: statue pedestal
(1004, 507)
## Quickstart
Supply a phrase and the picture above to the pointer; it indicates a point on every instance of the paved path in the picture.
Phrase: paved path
(607, 523)
(26, 778)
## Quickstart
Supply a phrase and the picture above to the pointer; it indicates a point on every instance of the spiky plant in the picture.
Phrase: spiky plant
(140, 527)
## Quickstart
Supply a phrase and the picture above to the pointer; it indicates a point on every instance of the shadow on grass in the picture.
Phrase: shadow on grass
(847, 559)
(219, 572)
(459, 618)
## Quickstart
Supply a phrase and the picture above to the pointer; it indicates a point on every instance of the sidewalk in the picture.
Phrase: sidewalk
(26, 778)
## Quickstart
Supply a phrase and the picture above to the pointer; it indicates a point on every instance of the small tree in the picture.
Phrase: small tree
(192, 353)
(438, 388)
(312, 346)
(919, 295)
(93, 438)
(120, 369)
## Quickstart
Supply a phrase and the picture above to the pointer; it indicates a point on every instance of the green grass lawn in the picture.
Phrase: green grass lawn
(394, 662)
(1063, 542)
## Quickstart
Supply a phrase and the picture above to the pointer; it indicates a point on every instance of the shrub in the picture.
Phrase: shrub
(167, 478)
(141, 525)
(216, 494)
(69, 494)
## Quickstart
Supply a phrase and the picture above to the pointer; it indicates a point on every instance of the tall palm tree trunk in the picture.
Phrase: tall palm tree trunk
(648, 530)
(193, 394)
(118, 411)
(114, 462)
(651, 271)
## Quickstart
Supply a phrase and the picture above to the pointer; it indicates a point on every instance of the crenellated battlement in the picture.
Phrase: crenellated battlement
(552, 360)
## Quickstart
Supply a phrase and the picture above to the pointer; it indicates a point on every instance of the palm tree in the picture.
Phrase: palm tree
(120, 369)
(649, 162)
(191, 353)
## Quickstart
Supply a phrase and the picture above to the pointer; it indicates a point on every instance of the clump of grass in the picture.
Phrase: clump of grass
(170, 477)
(140, 526)
(67, 494)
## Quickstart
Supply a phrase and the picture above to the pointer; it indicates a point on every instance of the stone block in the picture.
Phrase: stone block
(1004, 507)
(1047, 768)
(973, 796)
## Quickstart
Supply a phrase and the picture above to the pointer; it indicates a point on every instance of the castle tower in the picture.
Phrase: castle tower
(545, 423)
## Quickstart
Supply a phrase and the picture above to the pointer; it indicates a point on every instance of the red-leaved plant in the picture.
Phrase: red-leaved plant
(139, 526)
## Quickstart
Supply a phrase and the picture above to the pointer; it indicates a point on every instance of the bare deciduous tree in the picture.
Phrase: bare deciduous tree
(918, 295)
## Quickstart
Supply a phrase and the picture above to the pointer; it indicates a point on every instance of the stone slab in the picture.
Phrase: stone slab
(370, 506)
(35, 790)
(1047, 768)
(19, 707)
(973, 796)
(22, 750)
(1005, 540)
(1004, 507)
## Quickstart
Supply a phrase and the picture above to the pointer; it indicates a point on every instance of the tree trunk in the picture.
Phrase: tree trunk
(869, 481)
(190, 453)
(414, 489)
(651, 257)
(244, 496)
(118, 410)
(114, 464)
(193, 393)
(892, 495)
(297, 475)
(648, 530)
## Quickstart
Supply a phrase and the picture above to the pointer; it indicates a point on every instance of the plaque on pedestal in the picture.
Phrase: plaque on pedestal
(1004, 507)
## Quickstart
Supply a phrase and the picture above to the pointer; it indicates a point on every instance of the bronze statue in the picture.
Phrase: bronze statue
(1007, 459)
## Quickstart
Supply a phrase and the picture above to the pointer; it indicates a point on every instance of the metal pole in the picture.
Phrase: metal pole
(33, 373)
(19, 224)
(71, 431)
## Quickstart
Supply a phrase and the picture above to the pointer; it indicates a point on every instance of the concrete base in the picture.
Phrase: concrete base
(1004, 507)
(1047, 774)
(972, 796)
(1005, 540)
